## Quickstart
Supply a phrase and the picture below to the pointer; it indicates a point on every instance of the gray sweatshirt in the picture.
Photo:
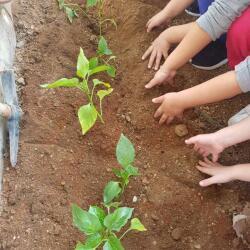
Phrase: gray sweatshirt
(217, 20)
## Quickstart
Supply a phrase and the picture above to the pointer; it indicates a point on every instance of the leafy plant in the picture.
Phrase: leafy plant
(102, 224)
(86, 69)
(69, 9)
(101, 20)
(106, 55)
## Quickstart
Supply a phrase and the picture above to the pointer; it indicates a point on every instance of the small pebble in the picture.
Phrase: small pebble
(176, 234)
(135, 199)
(181, 130)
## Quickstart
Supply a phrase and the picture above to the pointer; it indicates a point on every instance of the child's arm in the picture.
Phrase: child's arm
(173, 104)
(215, 143)
(172, 9)
(163, 42)
(195, 40)
(222, 174)
(208, 27)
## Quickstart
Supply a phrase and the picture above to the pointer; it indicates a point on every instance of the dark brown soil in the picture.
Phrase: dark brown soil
(58, 166)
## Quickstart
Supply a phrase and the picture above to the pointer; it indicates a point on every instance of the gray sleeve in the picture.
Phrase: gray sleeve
(220, 15)
(243, 75)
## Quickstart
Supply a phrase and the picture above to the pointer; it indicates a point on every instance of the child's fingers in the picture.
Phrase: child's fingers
(152, 83)
(210, 181)
(196, 147)
(152, 58)
(158, 60)
(163, 119)
(147, 53)
(215, 157)
(159, 99)
(170, 119)
(158, 112)
(205, 164)
(206, 170)
(191, 140)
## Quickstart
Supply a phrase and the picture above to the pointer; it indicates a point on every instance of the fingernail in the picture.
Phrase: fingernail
(156, 68)
(201, 183)
(142, 58)
(149, 66)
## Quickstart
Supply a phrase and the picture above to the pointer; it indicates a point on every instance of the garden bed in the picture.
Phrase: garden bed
(58, 166)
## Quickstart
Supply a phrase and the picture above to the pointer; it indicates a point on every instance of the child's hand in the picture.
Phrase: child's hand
(218, 173)
(157, 20)
(159, 48)
(161, 77)
(169, 109)
(207, 144)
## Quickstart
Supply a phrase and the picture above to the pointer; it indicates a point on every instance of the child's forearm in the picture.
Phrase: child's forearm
(176, 7)
(175, 34)
(234, 134)
(219, 88)
(195, 40)
(242, 172)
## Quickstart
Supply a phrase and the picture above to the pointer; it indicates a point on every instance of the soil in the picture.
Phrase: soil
(58, 166)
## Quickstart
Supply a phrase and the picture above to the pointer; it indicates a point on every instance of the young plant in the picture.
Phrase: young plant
(106, 56)
(86, 69)
(69, 9)
(101, 20)
(103, 225)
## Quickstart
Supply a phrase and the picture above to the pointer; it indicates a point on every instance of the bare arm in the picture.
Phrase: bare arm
(195, 40)
(219, 88)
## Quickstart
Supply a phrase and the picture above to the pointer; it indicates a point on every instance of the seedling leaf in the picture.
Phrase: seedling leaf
(102, 93)
(70, 13)
(113, 243)
(93, 241)
(93, 63)
(87, 115)
(132, 171)
(103, 47)
(80, 246)
(91, 3)
(111, 191)
(137, 225)
(85, 221)
(99, 69)
(64, 82)
(118, 219)
(84, 86)
(61, 4)
(82, 65)
(98, 82)
(125, 152)
(111, 71)
(98, 212)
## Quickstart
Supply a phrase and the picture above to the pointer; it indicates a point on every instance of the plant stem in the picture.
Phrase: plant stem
(125, 233)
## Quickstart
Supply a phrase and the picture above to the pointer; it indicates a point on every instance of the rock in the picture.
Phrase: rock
(176, 234)
(135, 199)
(93, 39)
(154, 242)
(181, 130)
(20, 44)
(154, 217)
(21, 81)
(145, 181)
(197, 246)
(128, 119)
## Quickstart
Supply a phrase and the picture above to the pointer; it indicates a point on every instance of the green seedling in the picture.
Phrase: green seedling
(99, 4)
(106, 56)
(86, 70)
(69, 8)
(104, 225)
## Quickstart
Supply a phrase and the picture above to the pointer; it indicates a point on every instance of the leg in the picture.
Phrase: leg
(238, 39)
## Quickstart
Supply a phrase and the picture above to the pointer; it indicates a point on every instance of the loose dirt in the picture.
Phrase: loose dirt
(58, 166)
